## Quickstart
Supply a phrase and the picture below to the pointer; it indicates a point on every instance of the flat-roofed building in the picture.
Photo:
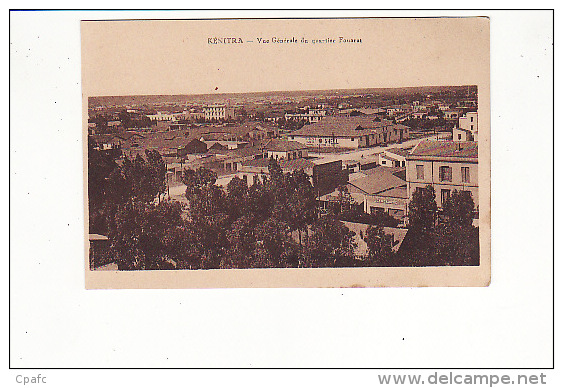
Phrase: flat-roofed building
(218, 112)
(160, 116)
(469, 124)
(393, 157)
(447, 165)
(312, 115)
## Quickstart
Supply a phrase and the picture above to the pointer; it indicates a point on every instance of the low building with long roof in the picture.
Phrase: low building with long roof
(350, 132)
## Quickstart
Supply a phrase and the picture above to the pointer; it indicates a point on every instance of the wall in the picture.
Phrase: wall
(328, 176)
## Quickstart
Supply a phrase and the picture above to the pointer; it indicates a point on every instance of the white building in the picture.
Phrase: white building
(218, 112)
(284, 149)
(469, 123)
(312, 115)
(393, 157)
(159, 116)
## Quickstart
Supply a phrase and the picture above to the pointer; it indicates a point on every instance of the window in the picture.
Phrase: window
(459, 136)
(465, 175)
(445, 194)
(472, 127)
(419, 172)
(445, 174)
(471, 118)
(351, 139)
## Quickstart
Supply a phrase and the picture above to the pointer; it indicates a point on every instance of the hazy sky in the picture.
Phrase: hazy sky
(174, 57)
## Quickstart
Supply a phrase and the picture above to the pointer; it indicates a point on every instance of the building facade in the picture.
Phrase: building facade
(312, 115)
(469, 122)
(218, 112)
(447, 166)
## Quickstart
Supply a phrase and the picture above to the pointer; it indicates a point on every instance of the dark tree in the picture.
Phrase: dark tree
(301, 202)
(379, 246)
(457, 241)
(423, 209)
(100, 167)
(237, 197)
(138, 235)
(459, 208)
(331, 244)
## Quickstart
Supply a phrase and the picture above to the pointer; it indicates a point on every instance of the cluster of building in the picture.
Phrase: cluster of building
(212, 112)
(379, 182)
(428, 109)
(467, 128)
(447, 165)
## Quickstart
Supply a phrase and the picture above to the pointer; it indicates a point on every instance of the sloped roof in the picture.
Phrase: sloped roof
(379, 180)
(279, 145)
(128, 135)
(244, 152)
(296, 164)
(341, 126)
(398, 151)
(440, 149)
(396, 192)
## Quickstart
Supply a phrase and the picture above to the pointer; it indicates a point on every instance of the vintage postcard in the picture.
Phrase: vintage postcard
(286, 152)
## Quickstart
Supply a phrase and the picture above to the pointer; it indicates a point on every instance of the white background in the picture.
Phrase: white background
(55, 322)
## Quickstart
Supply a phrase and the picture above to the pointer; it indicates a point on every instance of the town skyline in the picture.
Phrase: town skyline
(154, 98)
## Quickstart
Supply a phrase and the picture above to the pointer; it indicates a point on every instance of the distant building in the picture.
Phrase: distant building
(451, 114)
(419, 114)
(446, 165)
(177, 126)
(350, 132)
(218, 112)
(114, 124)
(195, 146)
(285, 149)
(459, 134)
(469, 124)
(159, 116)
(260, 132)
(443, 106)
(393, 157)
(312, 115)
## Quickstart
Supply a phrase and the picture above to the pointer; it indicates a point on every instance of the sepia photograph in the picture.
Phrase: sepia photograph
(231, 156)
(231, 190)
